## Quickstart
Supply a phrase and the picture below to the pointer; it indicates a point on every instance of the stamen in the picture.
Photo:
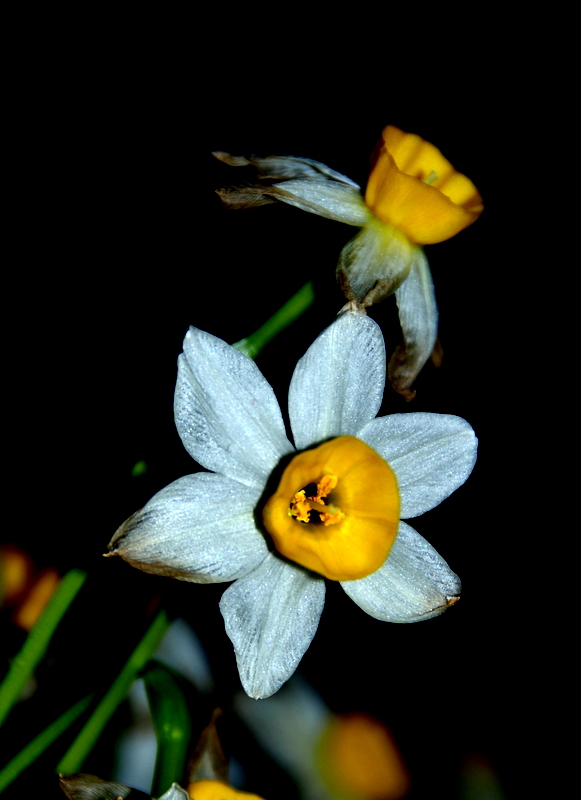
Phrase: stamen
(326, 485)
(301, 506)
(335, 515)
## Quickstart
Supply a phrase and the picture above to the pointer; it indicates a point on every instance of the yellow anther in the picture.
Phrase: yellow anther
(300, 507)
(333, 516)
(326, 485)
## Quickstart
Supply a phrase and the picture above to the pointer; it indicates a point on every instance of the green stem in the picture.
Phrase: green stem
(289, 312)
(38, 745)
(34, 648)
(73, 759)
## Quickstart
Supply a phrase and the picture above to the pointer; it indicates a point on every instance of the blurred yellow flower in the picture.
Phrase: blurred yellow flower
(216, 790)
(25, 590)
(359, 758)
(349, 756)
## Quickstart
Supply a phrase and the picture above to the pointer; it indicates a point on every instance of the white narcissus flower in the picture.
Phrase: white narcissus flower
(335, 511)
(414, 196)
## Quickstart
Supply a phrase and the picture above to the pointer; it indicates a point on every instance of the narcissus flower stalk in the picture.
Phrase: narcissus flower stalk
(414, 197)
(277, 520)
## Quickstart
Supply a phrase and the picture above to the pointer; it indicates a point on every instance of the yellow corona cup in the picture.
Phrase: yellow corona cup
(414, 188)
(344, 527)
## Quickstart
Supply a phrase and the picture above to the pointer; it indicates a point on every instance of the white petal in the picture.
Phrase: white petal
(377, 259)
(414, 584)
(418, 317)
(337, 386)
(431, 455)
(200, 528)
(225, 411)
(286, 167)
(328, 199)
(271, 617)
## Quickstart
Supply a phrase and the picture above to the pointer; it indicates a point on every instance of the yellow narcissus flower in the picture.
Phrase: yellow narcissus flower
(414, 197)
(278, 521)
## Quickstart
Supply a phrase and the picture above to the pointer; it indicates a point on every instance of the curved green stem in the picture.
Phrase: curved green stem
(281, 319)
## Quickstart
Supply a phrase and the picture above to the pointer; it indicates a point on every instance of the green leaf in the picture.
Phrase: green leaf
(171, 720)
(38, 745)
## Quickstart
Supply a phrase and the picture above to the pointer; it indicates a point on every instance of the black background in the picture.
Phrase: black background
(122, 243)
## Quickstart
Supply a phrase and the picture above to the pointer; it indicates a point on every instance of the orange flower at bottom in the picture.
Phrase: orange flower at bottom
(216, 790)
(359, 758)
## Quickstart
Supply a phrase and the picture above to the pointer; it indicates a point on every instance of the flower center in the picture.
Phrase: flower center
(336, 509)
(301, 506)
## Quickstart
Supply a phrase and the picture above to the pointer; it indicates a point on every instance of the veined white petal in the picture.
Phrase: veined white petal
(337, 386)
(226, 412)
(418, 316)
(200, 528)
(414, 584)
(286, 167)
(431, 455)
(377, 259)
(271, 617)
(329, 199)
